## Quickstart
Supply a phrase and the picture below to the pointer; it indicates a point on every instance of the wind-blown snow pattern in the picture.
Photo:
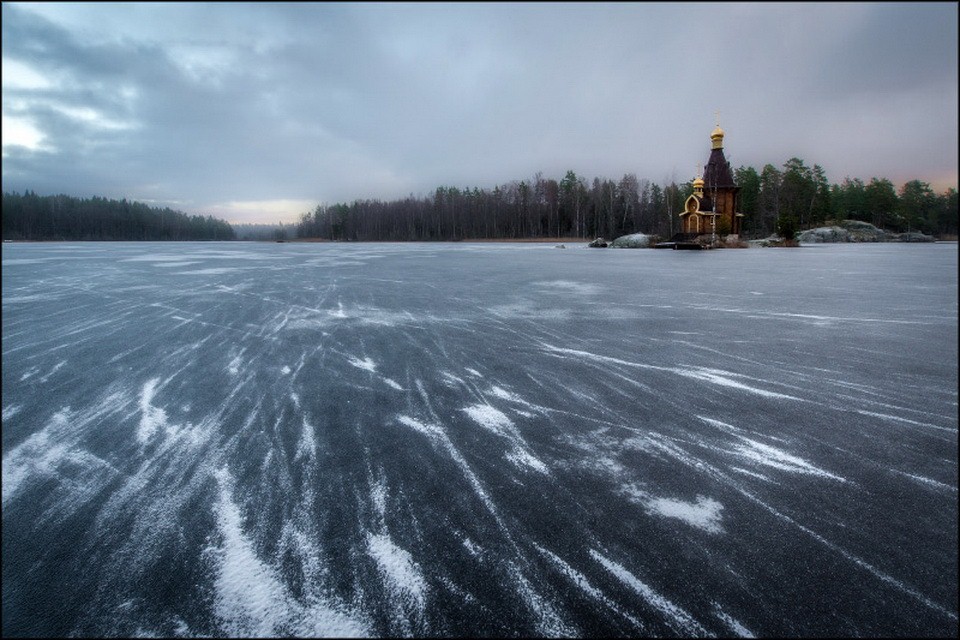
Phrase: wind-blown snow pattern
(451, 440)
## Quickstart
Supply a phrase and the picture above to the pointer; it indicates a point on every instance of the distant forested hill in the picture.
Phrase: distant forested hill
(262, 231)
(28, 216)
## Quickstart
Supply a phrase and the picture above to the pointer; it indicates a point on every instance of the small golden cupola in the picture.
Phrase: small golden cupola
(698, 184)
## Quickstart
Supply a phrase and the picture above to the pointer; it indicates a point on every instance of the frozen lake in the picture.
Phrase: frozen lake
(478, 439)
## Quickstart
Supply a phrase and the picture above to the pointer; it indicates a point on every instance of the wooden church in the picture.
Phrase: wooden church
(712, 207)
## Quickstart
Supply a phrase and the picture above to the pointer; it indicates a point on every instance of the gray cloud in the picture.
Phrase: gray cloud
(202, 105)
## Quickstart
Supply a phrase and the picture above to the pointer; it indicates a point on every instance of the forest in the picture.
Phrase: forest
(794, 195)
(263, 231)
(29, 216)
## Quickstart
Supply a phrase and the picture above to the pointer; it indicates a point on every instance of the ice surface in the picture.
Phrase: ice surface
(676, 617)
(583, 583)
(732, 623)
(237, 439)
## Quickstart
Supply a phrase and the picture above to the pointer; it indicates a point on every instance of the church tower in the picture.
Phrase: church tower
(712, 207)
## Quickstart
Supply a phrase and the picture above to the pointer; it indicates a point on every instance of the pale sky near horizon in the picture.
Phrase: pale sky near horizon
(257, 112)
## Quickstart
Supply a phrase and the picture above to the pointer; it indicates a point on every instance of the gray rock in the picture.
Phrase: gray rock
(864, 231)
(856, 225)
(599, 243)
(824, 234)
(912, 236)
(633, 241)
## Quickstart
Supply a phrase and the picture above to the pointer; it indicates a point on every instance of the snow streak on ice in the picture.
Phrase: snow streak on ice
(251, 599)
(676, 617)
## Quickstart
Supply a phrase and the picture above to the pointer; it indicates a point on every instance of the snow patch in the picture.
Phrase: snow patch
(491, 419)
(378, 495)
(430, 430)
(570, 287)
(185, 263)
(40, 453)
(307, 447)
(366, 364)
(234, 366)
(216, 271)
(721, 425)
(549, 622)
(32, 371)
(929, 481)
(772, 457)
(402, 575)
(581, 581)
(154, 257)
(10, 410)
(152, 418)
(450, 380)
(703, 514)
(768, 455)
(714, 376)
(733, 624)
(471, 547)
(503, 394)
(250, 598)
(437, 435)
(52, 371)
(523, 458)
(884, 416)
(393, 384)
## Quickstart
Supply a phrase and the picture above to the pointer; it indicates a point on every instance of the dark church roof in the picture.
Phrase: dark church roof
(706, 204)
(717, 173)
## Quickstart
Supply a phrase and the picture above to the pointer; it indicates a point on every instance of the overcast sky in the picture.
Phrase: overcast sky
(257, 112)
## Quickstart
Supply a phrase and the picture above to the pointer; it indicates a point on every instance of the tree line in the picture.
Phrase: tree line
(262, 231)
(536, 208)
(799, 197)
(29, 216)
(792, 197)
(772, 200)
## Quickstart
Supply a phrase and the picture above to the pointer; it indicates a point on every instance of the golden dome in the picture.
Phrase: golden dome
(698, 182)
(717, 137)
